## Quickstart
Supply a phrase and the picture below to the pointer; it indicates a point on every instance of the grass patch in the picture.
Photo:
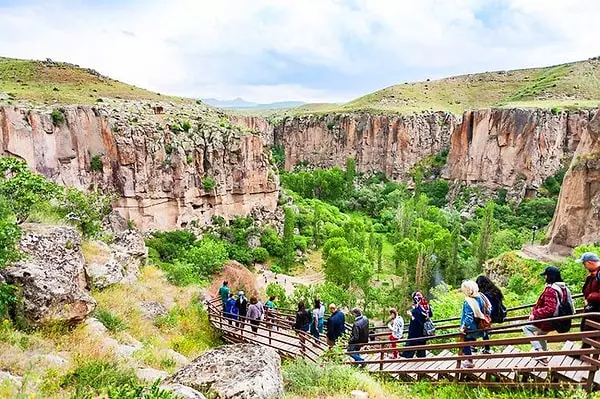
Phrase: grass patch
(111, 321)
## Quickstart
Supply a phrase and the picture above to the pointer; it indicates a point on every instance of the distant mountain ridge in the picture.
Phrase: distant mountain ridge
(240, 103)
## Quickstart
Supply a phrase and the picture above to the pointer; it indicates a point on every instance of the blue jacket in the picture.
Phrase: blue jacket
(415, 328)
(231, 309)
(335, 325)
(467, 318)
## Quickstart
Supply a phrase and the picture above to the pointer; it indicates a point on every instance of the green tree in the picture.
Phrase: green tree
(453, 271)
(405, 254)
(84, 210)
(277, 290)
(10, 233)
(347, 265)
(289, 224)
(485, 234)
(333, 243)
(418, 182)
(379, 252)
(207, 257)
(350, 174)
(260, 254)
(269, 239)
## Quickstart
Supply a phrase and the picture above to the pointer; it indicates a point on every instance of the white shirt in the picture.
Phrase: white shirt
(397, 327)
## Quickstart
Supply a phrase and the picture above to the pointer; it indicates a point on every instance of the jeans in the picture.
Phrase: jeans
(355, 356)
(531, 331)
(410, 354)
(467, 349)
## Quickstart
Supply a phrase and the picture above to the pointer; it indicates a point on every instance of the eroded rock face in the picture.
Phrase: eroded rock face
(51, 277)
(161, 171)
(577, 216)
(234, 371)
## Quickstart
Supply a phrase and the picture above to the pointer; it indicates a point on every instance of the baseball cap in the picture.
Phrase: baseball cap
(550, 270)
(588, 257)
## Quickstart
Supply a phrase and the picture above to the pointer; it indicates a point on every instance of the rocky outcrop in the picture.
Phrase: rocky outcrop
(51, 276)
(514, 149)
(234, 371)
(388, 144)
(577, 216)
(118, 262)
(170, 164)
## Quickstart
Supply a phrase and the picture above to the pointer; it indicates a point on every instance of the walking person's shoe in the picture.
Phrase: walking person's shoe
(486, 352)
(467, 364)
(542, 359)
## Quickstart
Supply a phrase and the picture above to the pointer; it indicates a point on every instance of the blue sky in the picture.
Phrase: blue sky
(310, 50)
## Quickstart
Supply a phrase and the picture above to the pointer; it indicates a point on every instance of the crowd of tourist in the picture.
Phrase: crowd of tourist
(482, 307)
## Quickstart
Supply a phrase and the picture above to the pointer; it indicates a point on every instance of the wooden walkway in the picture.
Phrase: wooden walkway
(511, 363)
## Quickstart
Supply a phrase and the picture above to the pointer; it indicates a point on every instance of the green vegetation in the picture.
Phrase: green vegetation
(96, 163)
(111, 321)
(208, 183)
(58, 117)
(58, 82)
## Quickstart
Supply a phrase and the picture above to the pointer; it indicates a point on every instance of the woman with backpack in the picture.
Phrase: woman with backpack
(475, 315)
(494, 295)
(419, 314)
(547, 306)
(303, 318)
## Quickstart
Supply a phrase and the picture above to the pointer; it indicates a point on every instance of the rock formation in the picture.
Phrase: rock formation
(577, 216)
(169, 164)
(234, 371)
(51, 277)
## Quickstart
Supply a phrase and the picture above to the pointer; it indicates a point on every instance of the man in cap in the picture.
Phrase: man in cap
(359, 336)
(591, 287)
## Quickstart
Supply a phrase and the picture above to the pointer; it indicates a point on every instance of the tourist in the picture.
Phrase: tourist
(253, 314)
(231, 309)
(475, 316)
(261, 307)
(269, 309)
(302, 318)
(336, 325)
(591, 288)
(316, 322)
(545, 307)
(396, 325)
(224, 293)
(359, 336)
(321, 316)
(242, 305)
(494, 295)
(420, 312)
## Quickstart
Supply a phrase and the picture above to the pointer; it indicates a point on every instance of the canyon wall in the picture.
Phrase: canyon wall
(160, 168)
(389, 144)
(577, 216)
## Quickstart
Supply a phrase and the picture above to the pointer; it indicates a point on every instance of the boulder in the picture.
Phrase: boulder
(234, 371)
(118, 263)
(182, 391)
(150, 374)
(151, 310)
(51, 277)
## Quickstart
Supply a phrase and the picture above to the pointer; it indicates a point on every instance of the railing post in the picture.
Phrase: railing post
(302, 343)
(381, 357)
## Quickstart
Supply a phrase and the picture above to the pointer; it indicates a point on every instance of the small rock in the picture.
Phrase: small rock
(125, 350)
(183, 391)
(13, 379)
(55, 359)
(359, 394)
(150, 374)
(152, 310)
(131, 341)
(95, 326)
(177, 357)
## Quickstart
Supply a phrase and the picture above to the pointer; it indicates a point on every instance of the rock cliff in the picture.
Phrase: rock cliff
(577, 216)
(168, 164)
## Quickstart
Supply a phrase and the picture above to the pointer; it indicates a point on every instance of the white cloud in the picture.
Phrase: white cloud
(314, 50)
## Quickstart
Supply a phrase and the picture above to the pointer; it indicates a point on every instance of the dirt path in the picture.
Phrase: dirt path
(264, 277)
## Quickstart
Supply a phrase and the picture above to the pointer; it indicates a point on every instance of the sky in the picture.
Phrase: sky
(307, 50)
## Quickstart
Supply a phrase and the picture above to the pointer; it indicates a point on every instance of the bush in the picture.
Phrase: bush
(10, 234)
(186, 126)
(96, 163)
(278, 291)
(58, 117)
(308, 379)
(110, 320)
(278, 156)
(270, 240)
(8, 297)
(171, 244)
(92, 378)
(180, 273)
(242, 254)
(207, 257)
(260, 254)
(208, 183)
(86, 211)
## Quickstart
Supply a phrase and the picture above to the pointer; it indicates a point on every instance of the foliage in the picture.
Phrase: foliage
(485, 234)
(278, 156)
(270, 240)
(260, 254)
(278, 291)
(8, 297)
(304, 378)
(208, 183)
(96, 163)
(350, 173)
(10, 234)
(111, 321)
(86, 211)
(289, 224)
(186, 126)
(169, 245)
(348, 265)
(328, 185)
(97, 377)
(58, 117)
(206, 257)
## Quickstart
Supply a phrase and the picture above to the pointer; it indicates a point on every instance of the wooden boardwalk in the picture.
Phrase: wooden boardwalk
(511, 363)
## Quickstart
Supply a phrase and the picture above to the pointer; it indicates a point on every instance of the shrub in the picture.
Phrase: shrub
(180, 273)
(278, 291)
(10, 234)
(308, 379)
(171, 244)
(96, 163)
(94, 377)
(85, 211)
(58, 117)
(8, 297)
(168, 149)
(110, 320)
(186, 126)
(208, 183)
(240, 253)
(260, 254)
(207, 257)
(270, 240)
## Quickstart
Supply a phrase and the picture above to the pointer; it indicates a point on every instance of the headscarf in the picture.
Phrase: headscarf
(420, 302)
(241, 295)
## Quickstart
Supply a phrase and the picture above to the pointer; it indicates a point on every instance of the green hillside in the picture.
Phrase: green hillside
(58, 82)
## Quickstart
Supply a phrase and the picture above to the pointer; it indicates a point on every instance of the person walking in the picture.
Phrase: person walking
(494, 295)
(359, 336)
(316, 322)
(303, 318)
(254, 314)
(546, 307)
(336, 325)
(475, 315)
(321, 316)
(591, 289)
(224, 293)
(231, 309)
(269, 314)
(420, 312)
(242, 305)
(396, 326)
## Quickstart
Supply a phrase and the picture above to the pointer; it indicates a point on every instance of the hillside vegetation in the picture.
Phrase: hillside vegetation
(573, 85)
(63, 83)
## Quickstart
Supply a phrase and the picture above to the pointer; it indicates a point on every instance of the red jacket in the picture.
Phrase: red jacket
(545, 307)
(591, 289)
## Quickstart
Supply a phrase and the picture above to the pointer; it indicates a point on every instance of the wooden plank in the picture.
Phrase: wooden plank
(506, 362)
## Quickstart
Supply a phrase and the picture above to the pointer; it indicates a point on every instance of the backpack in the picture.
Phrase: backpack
(564, 308)
(499, 313)
(486, 322)
(428, 327)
